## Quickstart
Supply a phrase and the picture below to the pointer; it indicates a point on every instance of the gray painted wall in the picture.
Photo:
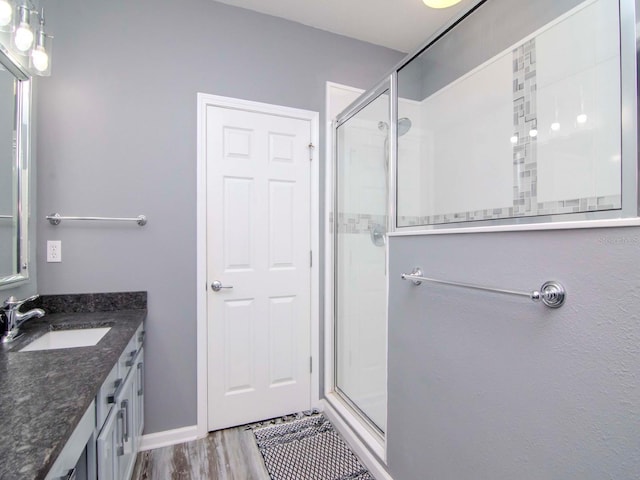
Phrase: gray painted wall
(117, 137)
(484, 386)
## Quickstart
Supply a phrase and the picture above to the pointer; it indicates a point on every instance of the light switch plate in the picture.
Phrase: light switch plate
(54, 251)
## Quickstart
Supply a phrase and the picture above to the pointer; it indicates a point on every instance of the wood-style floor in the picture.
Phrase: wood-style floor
(229, 454)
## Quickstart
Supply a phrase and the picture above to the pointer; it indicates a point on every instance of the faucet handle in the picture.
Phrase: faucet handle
(12, 302)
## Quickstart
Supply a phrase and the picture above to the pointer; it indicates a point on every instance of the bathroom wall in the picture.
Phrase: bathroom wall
(489, 386)
(117, 123)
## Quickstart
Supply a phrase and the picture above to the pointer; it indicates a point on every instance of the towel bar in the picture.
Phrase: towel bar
(551, 293)
(56, 218)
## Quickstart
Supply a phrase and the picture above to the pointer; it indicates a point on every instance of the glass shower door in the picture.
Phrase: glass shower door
(360, 225)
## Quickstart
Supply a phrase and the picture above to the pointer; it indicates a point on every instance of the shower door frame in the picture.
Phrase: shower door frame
(357, 421)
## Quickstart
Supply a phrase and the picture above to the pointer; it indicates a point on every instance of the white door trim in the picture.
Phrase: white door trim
(331, 91)
(203, 101)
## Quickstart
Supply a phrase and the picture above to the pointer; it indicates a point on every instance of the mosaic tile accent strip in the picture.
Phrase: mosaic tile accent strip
(525, 125)
(357, 222)
(576, 205)
(590, 204)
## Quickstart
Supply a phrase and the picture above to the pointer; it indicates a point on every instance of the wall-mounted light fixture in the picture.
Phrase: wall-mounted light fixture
(22, 33)
(6, 13)
(440, 3)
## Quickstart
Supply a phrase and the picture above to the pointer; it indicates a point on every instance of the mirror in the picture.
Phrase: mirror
(15, 119)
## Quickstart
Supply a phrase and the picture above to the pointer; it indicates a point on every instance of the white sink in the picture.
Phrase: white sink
(86, 337)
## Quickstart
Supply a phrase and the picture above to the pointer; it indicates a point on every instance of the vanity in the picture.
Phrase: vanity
(75, 412)
(71, 405)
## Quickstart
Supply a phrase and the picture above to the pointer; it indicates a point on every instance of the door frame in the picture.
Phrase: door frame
(332, 90)
(203, 101)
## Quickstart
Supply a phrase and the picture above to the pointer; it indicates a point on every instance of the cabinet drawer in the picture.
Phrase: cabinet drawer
(127, 359)
(125, 362)
(105, 399)
(140, 335)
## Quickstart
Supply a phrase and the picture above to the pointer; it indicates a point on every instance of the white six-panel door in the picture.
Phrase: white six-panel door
(258, 243)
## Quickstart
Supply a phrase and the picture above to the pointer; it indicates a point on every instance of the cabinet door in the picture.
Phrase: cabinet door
(105, 398)
(127, 447)
(107, 445)
(139, 410)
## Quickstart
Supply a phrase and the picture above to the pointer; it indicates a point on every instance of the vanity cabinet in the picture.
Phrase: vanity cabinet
(121, 404)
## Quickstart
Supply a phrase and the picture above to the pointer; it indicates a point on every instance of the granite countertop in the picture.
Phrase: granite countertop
(44, 394)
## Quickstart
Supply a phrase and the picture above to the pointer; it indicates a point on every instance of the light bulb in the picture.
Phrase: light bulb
(40, 59)
(582, 118)
(6, 12)
(533, 133)
(440, 3)
(23, 37)
(555, 126)
(514, 139)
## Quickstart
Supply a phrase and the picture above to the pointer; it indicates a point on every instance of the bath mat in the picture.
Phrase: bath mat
(306, 447)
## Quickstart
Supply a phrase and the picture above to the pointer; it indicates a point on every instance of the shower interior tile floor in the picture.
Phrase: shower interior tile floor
(230, 454)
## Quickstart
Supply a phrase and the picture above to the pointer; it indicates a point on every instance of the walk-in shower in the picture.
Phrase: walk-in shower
(547, 137)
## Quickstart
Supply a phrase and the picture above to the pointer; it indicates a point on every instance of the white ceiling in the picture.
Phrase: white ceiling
(402, 25)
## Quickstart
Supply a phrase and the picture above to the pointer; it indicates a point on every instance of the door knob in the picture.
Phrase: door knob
(216, 286)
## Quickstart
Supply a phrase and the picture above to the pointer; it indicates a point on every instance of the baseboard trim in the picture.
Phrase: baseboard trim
(357, 445)
(169, 437)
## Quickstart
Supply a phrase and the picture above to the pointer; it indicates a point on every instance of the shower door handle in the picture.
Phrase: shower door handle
(216, 286)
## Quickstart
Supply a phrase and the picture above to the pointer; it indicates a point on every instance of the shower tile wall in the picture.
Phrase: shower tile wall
(521, 148)
(351, 222)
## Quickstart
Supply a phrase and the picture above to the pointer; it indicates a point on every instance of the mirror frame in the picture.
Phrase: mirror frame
(22, 159)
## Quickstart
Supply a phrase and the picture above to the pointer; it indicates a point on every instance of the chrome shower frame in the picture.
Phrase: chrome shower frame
(384, 87)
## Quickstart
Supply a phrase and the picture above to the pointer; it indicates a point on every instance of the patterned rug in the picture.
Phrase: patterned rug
(306, 447)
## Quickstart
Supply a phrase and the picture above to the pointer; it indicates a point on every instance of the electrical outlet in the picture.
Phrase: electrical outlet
(54, 251)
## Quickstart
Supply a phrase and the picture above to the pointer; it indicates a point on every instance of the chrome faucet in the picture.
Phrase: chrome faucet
(14, 318)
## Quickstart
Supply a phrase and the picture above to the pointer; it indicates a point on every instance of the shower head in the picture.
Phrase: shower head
(404, 125)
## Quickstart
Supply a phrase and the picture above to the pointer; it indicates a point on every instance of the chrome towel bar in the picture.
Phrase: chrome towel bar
(551, 293)
(56, 218)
